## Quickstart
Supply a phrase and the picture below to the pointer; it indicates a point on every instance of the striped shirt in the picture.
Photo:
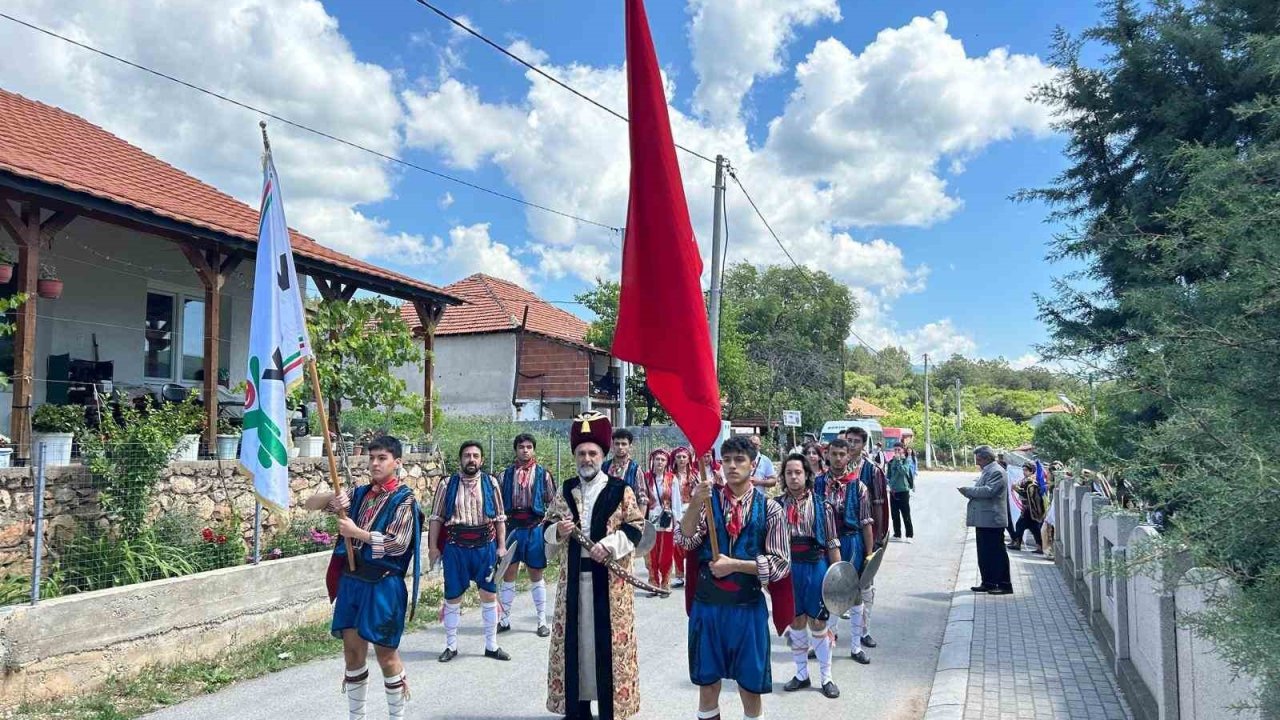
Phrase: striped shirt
(836, 490)
(771, 566)
(803, 525)
(399, 535)
(469, 508)
(522, 489)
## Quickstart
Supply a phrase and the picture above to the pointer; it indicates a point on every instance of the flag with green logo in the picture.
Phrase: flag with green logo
(278, 350)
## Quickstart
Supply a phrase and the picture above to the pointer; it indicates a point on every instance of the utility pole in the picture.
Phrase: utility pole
(717, 251)
(1093, 400)
(959, 422)
(928, 437)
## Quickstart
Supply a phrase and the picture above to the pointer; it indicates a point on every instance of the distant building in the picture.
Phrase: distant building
(861, 409)
(488, 365)
(1046, 413)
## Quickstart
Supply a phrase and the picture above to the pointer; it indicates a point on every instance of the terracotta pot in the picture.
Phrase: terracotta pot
(49, 289)
(6, 273)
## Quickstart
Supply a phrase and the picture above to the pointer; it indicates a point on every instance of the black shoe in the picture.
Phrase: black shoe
(813, 654)
(543, 631)
(448, 654)
(1013, 546)
(503, 628)
(1000, 591)
(796, 683)
(868, 641)
(830, 690)
(498, 654)
(1037, 551)
(861, 658)
(982, 588)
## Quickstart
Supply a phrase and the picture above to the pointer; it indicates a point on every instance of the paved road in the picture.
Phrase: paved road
(914, 597)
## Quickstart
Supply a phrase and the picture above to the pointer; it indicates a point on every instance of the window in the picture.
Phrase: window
(159, 331)
(175, 322)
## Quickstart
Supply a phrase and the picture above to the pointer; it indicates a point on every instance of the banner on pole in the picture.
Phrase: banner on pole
(791, 418)
(278, 349)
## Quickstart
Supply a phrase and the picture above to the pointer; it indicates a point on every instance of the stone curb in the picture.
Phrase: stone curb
(951, 676)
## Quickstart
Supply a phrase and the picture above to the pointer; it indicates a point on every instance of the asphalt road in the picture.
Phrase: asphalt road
(913, 598)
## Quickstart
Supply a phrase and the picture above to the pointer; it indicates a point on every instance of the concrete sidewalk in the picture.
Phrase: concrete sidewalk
(1027, 655)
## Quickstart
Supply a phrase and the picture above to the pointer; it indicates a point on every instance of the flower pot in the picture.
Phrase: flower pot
(293, 451)
(6, 273)
(311, 446)
(228, 447)
(6, 457)
(57, 447)
(49, 289)
(187, 449)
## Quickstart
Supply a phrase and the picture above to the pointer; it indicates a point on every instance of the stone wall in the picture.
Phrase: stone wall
(209, 491)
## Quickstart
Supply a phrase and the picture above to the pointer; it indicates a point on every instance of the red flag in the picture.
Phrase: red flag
(662, 321)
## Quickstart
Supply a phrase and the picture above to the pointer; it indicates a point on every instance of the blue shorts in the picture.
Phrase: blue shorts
(851, 550)
(531, 546)
(375, 609)
(806, 579)
(730, 642)
(463, 566)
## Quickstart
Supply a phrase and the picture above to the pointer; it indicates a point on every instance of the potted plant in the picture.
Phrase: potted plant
(49, 286)
(6, 451)
(228, 440)
(54, 426)
(311, 445)
(6, 265)
(189, 422)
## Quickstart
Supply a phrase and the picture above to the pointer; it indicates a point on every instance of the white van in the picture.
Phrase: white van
(834, 427)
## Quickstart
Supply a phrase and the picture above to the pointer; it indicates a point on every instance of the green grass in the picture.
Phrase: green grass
(156, 687)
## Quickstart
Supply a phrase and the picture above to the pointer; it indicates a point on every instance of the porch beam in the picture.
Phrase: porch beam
(213, 266)
(25, 231)
(429, 314)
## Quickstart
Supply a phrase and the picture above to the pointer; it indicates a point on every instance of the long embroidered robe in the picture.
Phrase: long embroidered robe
(593, 643)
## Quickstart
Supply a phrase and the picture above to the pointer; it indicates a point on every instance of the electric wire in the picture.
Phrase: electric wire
(307, 128)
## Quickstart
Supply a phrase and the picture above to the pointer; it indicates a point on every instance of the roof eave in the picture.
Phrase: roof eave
(112, 211)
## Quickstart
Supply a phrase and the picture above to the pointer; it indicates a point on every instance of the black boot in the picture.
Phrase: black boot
(581, 712)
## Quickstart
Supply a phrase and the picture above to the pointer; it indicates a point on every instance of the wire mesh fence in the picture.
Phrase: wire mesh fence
(94, 515)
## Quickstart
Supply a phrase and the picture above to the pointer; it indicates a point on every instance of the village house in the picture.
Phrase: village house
(156, 270)
(508, 353)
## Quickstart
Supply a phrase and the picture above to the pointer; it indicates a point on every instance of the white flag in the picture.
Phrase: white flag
(278, 350)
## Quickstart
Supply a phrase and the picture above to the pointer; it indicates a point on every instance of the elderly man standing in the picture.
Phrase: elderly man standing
(987, 515)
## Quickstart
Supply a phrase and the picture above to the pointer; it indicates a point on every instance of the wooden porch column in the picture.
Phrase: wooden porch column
(429, 315)
(213, 267)
(27, 231)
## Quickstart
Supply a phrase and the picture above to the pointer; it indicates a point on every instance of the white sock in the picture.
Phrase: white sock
(821, 640)
(355, 685)
(704, 714)
(397, 689)
(507, 597)
(489, 611)
(540, 601)
(855, 627)
(800, 652)
(452, 619)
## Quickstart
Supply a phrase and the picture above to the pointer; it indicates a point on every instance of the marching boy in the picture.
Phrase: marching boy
(728, 617)
(383, 523)
(528, 489)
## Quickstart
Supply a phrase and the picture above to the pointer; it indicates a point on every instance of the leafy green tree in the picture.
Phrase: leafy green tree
(357, 344)
(892, 366)
(1065, 437)
(1170, 203)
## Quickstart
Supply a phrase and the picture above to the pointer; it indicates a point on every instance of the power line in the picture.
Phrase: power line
(479, 36)
(306, 128)
(787, 253)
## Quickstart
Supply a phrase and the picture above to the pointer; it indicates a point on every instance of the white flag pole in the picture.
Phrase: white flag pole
(334, 478)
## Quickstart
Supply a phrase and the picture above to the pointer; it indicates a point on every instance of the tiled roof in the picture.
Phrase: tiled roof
(51, 145)
(861, 408)
(1054, 410)
(494, 305)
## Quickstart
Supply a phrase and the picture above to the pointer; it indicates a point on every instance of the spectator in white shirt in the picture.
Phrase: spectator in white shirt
(762, 475)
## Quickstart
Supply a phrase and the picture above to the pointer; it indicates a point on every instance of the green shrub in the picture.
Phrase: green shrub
(57, 418)
(1065, 437)
(94, 560)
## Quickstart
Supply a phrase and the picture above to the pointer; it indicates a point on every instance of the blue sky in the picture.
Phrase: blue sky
(889, 134)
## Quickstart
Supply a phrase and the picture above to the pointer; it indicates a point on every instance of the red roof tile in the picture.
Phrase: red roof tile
(51, 145)
(494, 305)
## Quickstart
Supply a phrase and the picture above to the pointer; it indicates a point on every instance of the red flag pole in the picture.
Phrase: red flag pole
(708, 513)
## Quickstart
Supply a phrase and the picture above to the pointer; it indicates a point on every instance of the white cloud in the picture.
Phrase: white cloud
(1029, 360)
(736, 42)
(446, 201)
(286, 56)
(453, 119)
(470, 250)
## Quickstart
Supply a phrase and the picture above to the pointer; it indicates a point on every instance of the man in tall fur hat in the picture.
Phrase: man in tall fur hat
(593, 646)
